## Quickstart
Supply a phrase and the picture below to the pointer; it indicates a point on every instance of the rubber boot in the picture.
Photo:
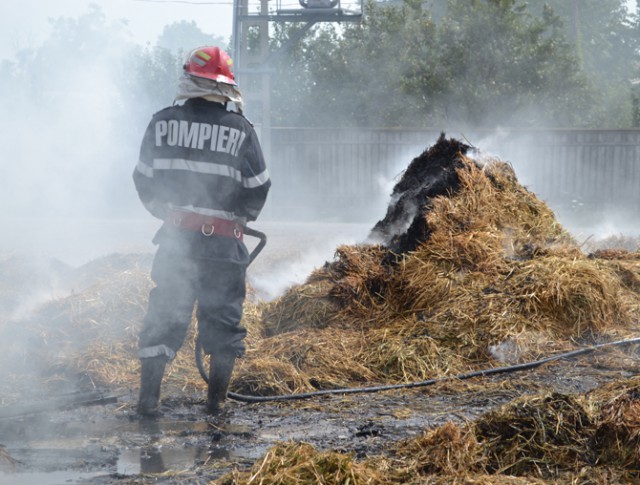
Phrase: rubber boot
(220, 372)
(150, 379)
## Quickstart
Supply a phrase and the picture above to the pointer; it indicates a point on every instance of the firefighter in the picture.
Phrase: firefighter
(201, 170)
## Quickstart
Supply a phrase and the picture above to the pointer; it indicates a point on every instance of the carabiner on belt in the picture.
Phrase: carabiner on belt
(205, 231)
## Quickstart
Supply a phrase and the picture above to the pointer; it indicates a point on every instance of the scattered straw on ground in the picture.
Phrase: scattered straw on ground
(548, 438)
(301, 463)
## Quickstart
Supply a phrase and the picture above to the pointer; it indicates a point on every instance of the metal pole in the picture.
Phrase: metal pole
(235, 36)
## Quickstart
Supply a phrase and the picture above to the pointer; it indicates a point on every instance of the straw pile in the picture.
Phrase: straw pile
(617, 434)
(470, 270)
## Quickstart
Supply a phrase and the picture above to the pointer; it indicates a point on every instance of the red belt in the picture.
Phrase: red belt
(206, 224)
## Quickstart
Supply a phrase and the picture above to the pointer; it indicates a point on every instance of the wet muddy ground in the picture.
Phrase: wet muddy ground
(109, 444)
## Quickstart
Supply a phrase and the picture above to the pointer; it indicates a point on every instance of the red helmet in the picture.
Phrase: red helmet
(210, 63)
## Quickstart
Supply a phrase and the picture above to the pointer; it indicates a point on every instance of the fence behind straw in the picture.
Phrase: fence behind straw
(347, 174)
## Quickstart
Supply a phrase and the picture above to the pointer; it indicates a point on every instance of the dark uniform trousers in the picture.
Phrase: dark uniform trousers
(188, 269)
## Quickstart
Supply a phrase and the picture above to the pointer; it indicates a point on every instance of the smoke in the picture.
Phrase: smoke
(69, 139)
(587, 178)
(295, 251)
(272, 283)
(62, 150)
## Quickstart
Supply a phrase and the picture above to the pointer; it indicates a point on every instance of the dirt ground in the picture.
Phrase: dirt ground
(109, 444)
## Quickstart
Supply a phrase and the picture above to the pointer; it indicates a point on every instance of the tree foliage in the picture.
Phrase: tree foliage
(465, 63)
(415, 63)
(605, 38)
(183, 36)
(504, 67)
(353, 76)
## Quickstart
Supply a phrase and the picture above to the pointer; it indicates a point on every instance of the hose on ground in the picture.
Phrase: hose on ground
(411, 385)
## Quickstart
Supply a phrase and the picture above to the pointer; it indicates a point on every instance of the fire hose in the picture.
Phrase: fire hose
(430, 382)
(263, 241)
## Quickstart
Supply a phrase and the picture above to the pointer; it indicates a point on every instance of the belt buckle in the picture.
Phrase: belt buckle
(237, 232)
(207, 232)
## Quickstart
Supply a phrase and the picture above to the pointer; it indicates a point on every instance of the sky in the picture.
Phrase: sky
(24, 23)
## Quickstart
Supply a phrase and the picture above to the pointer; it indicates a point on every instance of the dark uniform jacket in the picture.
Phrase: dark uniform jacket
(201, 158)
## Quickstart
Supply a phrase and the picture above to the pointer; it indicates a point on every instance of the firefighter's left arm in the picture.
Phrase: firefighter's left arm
(255, 180)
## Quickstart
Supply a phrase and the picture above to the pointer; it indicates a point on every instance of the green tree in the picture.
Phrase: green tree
(351, 76)
(503, 66)
(183, 36)
(480, 63)
(87, 46)
(149, 77)
(606, 39)
(292, 84)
